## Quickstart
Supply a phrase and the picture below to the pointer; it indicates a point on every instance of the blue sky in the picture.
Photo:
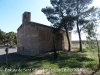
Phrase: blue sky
(11, 13)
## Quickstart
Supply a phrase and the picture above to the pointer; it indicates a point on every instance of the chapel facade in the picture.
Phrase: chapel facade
(35, 38)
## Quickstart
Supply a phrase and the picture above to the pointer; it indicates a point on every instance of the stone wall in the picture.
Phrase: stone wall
(65, 40)
(35, 38)
(28, 40)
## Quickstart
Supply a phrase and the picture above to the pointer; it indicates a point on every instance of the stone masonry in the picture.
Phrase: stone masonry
(35, 38)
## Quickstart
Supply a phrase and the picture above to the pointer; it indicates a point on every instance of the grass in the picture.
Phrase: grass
(85, 48)
(66, 63)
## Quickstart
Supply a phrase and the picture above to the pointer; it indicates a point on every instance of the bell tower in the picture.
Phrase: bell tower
(26, 17)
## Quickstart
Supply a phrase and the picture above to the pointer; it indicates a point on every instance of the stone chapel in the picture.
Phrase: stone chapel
(35, 38)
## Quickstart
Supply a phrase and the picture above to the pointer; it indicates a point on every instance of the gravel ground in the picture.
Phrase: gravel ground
(12, 54)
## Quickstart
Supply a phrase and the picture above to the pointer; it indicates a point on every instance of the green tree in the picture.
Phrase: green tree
(2, 37)
(90, 30)
(11, 38)
(93, 39)
(82, 12)
(15, 38)
(61, 16)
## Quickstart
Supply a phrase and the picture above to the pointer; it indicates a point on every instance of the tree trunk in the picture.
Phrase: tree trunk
(6, 60)
(69, 45)
(6, 50)
(98, 53)
(55, 51)
(80, 41)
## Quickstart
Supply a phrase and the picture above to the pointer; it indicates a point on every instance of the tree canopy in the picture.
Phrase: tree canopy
(10, 37)
(61, 15)
(66, 14)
